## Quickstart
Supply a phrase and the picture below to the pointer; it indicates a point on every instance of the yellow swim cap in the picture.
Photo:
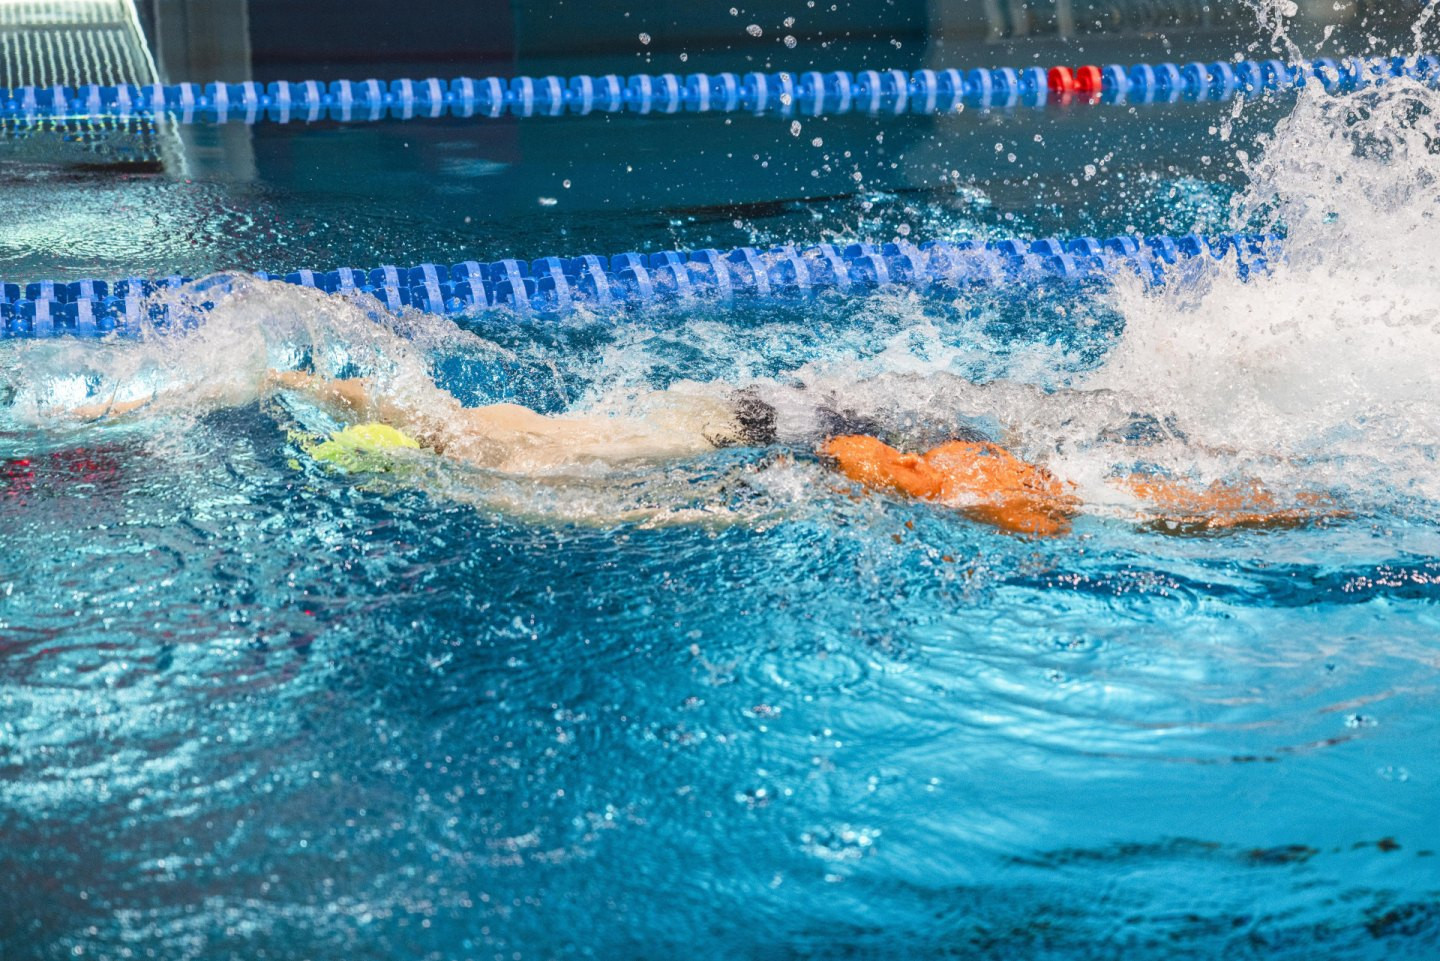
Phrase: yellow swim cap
(363, 447)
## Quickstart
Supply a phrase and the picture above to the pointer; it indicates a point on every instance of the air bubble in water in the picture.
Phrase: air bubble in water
(790, 41)
(794, 128)
(754, 30)
(645, 39)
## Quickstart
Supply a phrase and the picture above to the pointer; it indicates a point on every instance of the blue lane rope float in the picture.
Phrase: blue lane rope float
(553, 286)
(812, 93)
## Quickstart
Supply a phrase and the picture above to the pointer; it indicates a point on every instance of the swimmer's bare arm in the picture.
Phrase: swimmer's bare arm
(110, 408)
(352, 395)
(355, 396)
(117, 408)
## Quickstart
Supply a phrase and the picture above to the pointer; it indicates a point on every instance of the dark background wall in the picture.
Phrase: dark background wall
(329, 39)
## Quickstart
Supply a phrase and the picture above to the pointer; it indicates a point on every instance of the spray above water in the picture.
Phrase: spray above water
(221, 359)
(1331, 355)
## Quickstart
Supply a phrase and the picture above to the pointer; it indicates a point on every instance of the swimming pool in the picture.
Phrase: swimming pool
(725, 705)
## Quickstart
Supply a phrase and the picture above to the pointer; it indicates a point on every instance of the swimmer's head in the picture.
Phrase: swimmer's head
(755, 419)
(751, 423)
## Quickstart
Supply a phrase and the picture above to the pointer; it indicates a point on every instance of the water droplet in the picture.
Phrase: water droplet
(842, 843)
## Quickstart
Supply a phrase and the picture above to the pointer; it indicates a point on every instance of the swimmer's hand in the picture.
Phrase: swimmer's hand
(982, 480)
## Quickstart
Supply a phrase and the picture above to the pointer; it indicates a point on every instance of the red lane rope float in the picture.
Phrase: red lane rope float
(1088, 80)
(1061, 80)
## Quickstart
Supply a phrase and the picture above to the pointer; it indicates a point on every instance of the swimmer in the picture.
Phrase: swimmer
(979, 478)
(970, 473)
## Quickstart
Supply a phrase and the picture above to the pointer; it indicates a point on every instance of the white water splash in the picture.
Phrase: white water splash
(1334, 352)
(222, 360)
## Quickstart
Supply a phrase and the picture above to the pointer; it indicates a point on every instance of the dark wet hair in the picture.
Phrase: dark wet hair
(756, 420)
(841, 423)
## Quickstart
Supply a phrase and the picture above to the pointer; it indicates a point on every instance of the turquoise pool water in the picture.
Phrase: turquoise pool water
(723, 705)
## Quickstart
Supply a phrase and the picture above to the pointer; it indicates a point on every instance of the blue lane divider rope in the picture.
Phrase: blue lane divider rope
(554, 286)
(811, 92)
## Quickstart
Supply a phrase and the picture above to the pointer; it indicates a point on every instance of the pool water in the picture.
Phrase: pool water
(727, 706)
